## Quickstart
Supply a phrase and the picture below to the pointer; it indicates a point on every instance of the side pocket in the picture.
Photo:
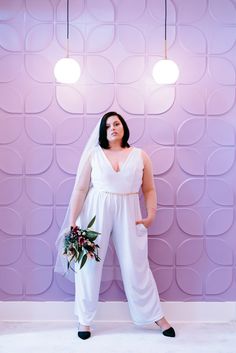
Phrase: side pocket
(141, 230)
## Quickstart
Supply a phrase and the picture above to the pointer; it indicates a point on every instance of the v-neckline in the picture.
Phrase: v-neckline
(123, 164)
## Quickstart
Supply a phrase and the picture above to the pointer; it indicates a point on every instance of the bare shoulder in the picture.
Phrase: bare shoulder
(145, 156)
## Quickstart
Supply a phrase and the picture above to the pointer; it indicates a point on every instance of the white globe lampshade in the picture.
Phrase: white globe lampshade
(165, 72)
(67, 70)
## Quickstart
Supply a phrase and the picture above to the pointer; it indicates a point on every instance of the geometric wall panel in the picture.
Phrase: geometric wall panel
(189, 281)
(219, 252)
(10, 190)
(9, 257)
(39, 220)
(219, 280)
(39, 191)
(219, 221)
(190, 221)
(39, 251)
(11, 281)
(189, 252)
(39, 280)
(187, 129)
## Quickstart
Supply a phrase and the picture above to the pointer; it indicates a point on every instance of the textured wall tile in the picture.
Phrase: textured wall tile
(10, 251)
(221, 132)
(10, 67)
(99, 98)
(67, 159)
(219, 252)
(187, 129)
(164, 278)
(189, 252)
(105, 74)
(103, 10)
(39, 130)
(39, 251)
(44, 155)
(192, 99)
(222, 14)
(38, 100)
(165, 192)
(163, 221)
(10, 128)
(8, 31)
(161, 131)
(189, 281)
(100, 38)
(39, 37)
(190, 11)
(10, 9)
(38, 220)
(222, 71)
(219, 280)
(10, 190)
(63, 191)
(190, 192)
(130, 99)
(221, 100)
(39, 68)
(11, 161)
(160, 252)
(191, 161)
(125, 75)
(192, 39)
(161, 100)
(40, 10)
(190, 221)
(14, 284)
(11, 100)
(69, 130)
(220, 161)
(11, 221)
(219, 221)
(162, 159)
(39, 191)
(196, 126)
(136, 127)
(39, 280)
(131, 39)
(69, 99)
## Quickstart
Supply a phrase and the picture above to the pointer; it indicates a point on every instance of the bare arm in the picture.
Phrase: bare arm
(79, 193)
(149, 191)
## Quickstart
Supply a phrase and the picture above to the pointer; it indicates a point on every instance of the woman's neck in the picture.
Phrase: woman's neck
(115, 146)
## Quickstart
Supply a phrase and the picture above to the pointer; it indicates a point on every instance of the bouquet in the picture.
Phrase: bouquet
(79, 245)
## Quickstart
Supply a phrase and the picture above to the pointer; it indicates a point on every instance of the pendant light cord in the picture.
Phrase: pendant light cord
(165, 29)
(67, 28)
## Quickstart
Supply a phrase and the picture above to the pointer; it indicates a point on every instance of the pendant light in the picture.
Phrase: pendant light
(165, 71)
(67, 70)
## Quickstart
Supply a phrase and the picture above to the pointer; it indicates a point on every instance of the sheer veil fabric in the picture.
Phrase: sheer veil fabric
(61, 260)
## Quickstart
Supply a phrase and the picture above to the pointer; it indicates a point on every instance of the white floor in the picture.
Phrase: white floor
(116, 337)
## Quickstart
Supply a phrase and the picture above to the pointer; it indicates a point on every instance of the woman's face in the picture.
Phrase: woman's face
(115, 130)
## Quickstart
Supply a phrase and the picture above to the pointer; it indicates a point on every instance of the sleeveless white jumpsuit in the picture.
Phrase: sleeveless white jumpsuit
(113, 198)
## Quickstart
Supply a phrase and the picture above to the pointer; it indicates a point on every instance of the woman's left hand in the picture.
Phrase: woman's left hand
(145, 221)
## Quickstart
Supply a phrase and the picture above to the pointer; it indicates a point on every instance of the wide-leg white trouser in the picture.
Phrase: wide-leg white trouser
(115, 216)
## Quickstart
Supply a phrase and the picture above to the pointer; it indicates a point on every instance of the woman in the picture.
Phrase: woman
(107, 186)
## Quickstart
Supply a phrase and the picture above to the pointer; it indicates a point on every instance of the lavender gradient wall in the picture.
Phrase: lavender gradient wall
(188, 129)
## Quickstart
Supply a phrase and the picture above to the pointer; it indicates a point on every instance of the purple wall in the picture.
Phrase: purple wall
(188, 129)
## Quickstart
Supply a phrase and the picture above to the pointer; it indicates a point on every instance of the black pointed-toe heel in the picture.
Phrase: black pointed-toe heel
(84, 335)
(170, 332)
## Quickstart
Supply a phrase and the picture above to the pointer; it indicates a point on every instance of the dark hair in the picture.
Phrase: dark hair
(103, 141)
